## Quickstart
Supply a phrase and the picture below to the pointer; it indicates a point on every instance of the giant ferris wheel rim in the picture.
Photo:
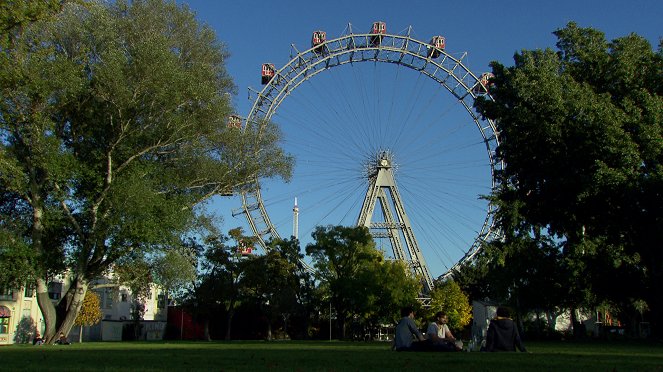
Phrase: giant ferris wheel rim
(402, 50)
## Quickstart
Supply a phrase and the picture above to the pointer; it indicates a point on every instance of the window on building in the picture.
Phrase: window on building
(161, 302)
(125, 297)
(5, 317)
(29, 290)
(54, 290)
(108, 299)
(6, 294)
(4, 325)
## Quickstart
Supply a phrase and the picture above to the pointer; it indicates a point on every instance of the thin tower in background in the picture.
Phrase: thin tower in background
(295, 220)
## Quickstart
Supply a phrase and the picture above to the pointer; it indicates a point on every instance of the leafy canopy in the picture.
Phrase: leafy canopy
(112, 131)
(90, 313)
(581, 133)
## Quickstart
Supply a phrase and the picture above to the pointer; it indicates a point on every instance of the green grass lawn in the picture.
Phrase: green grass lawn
(325, 356)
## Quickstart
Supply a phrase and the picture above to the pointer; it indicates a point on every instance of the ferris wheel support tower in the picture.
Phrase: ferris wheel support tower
(399, 230)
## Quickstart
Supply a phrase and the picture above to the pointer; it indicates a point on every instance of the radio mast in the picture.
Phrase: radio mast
(295, 220)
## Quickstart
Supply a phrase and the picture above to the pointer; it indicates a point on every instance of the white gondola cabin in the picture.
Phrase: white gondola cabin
(318, 38)
(483, 85)
(437, 45)
(234, 121)
(379, 28)
(268, 72)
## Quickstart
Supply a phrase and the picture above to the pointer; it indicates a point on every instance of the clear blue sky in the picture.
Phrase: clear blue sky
(255, 32)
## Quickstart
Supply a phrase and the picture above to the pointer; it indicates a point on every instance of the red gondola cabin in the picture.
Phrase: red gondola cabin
(244, 248)
(483, 85)
(437, 45)
(319, 38)
(268, 72)
(379, 29)
(234, 121)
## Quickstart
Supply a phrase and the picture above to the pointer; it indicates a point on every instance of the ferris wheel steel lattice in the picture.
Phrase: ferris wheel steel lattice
(382, 167)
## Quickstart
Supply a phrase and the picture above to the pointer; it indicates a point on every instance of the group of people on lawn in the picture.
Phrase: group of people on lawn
(502, 334)
(38, 340)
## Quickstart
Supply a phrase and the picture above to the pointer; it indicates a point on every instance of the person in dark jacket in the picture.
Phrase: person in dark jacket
(503, 333)
(38, 340)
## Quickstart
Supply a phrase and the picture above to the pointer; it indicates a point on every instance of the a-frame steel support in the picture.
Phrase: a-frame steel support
(382, 187)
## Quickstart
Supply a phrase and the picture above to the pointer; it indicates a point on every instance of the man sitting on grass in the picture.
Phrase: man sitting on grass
(440, 336)
(62, 340)
(406, 330)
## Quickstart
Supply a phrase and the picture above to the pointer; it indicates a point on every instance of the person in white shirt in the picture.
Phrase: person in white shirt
(438, 333)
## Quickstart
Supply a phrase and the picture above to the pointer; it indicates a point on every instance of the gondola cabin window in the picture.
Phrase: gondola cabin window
(268, 72)
(438, 43)
(483, 85)
(244, 248)
(234, 121)
(379, 28)
(319, 37)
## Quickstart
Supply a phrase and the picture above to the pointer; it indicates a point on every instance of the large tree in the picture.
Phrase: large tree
(278, 283)
(355, 278)
(220, 284)
(581, 132)
(113, 128)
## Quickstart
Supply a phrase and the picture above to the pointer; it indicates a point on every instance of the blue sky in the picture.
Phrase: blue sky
(442, 204)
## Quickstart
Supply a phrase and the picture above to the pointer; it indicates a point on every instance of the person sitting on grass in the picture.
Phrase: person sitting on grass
(439, 335)
(62, 340)
(38, 340)
(503, 333)
(406, 330)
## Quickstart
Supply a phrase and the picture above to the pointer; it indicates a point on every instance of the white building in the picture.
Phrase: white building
(20, 316)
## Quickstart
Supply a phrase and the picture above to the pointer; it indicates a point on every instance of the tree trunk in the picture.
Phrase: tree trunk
(574, 320)
(229, 320)
(80, 334)
(551, 320)
(206, 330)
(45, 304)
(74, 302)
(341, 324)
(47, 310)
(285, 324)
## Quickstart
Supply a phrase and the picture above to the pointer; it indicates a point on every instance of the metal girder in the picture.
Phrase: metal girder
(381, 185)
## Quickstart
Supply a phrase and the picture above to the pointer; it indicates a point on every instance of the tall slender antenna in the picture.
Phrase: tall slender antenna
(295, 220)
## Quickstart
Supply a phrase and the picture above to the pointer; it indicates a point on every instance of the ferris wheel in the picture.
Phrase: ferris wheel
(384, 134)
